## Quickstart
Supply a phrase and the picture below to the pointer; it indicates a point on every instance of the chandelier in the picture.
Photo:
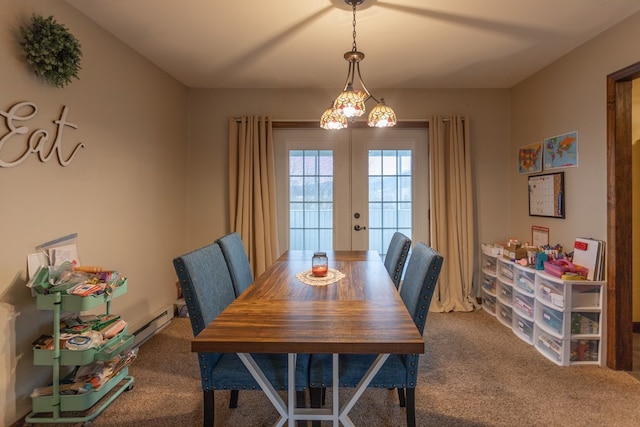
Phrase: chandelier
(350, 104)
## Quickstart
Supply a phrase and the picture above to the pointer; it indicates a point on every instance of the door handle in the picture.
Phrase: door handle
(358, 228)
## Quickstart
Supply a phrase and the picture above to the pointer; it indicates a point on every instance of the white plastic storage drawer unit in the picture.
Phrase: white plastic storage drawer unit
(569, 320)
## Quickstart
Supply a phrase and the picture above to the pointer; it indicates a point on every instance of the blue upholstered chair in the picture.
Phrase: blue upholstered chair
(207, 289)
(237, 261)
(396, 257)
(399, 371)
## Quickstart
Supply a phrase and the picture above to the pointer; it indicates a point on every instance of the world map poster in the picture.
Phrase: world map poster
(561, 151)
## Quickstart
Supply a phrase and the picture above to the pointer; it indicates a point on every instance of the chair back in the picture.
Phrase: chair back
(420, 281)
(396, 257)
(400, 370)
(237, 261)
(206, 284)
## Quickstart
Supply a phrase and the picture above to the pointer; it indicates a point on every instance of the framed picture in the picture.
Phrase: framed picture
(530, 158)
(561, 151)
(539, 235)
(546, 195)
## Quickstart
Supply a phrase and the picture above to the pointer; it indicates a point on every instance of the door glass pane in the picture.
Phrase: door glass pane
(390, 202)
(311, 200)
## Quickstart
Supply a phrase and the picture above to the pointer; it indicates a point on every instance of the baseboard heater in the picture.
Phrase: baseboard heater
(149, 329)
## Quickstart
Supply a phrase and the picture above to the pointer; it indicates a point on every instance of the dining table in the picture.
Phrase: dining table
(355, 309)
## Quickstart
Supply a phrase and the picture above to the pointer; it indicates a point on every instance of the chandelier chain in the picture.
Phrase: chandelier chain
(354, 47)
(350, 103)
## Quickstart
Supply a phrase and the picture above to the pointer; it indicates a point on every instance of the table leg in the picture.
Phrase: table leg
(292, 388)
(360, 388)
(267, 387)
(336, 390)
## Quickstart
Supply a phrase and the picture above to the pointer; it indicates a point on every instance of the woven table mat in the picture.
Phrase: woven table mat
(308, 278)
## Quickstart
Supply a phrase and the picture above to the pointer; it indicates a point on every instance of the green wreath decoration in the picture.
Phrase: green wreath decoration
(53, 52)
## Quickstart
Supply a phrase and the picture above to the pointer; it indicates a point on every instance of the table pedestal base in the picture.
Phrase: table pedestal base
(288, 411)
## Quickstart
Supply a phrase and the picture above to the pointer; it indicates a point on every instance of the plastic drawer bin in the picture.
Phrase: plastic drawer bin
(550, 347)
(504, 292)
(488, 302)
(550, 318)
(505, 271)
(584, 350)
(524, 304)
(587, 323)
(504, 313)
(586, 296)
(489, 284)
(525, 280)
(523, 328)
(551, 292)
(489, 264)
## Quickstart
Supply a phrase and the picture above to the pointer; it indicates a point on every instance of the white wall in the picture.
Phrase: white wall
(569, 95)
(124, 193)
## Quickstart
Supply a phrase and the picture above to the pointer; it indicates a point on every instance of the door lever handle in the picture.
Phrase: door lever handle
(358, 228)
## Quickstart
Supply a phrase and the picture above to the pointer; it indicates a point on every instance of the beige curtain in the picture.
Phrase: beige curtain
(252, 197)
(452, 230)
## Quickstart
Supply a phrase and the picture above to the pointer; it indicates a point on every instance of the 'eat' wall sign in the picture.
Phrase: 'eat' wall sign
(35, 141)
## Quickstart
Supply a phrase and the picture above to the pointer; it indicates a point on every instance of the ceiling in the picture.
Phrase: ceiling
(407, 43)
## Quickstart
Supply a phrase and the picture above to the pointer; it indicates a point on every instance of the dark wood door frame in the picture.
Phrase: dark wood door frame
(619, 218)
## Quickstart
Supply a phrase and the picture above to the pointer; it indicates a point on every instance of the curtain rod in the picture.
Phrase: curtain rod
(305, 124)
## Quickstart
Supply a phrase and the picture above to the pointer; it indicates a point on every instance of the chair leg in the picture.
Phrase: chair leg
(209, 405)
(315, 396)
(301, 402)
(411, 407)
(401, 398)
(233, 399)
(301, 399)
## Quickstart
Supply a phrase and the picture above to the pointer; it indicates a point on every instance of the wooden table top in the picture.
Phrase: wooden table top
(362, 313)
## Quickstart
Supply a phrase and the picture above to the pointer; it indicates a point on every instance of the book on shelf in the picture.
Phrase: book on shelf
(590, 253)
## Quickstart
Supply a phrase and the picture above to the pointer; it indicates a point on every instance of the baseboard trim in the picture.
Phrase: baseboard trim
(155, 325)
(20, 423)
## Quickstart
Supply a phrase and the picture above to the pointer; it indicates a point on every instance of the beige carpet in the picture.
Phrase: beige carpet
(475, 372)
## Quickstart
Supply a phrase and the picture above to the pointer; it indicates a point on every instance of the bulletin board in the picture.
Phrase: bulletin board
(546, 195)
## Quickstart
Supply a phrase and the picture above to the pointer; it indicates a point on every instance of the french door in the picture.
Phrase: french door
(351, 189)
